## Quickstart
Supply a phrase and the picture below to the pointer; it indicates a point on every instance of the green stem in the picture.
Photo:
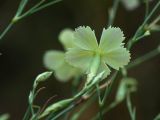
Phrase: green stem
(63, 112)
(21, 7)
(147, 8)
(26, 116)
(84, 107)
(144, 58)
(45, 5)
(132, 112)
(30, 10)
(107, 109)
(14, 20)
(151, 14)
(106, 93)
(75, 84)
(140, 37)
(112, 12)
(99, 102)
(140, 30)
(79, 95)
(30, 108)
(108, 89)
(6, 30)
(154, 22)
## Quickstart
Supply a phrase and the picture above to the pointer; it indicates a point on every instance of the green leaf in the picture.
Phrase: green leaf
(85, 38)
(126, 85)
(53, 59)
(80, 58)
(66, 37)
(117, 58)
(111, 38)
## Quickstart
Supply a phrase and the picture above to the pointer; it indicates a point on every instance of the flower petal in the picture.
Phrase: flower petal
(85, 38)
(66, 37)
(131, 4)
(103, 67)
(111, 38)
(79, 58)
(65, 72)
(117, 58)
(53, 59)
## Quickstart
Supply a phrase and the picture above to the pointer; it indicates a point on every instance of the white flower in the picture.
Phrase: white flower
(87, 53)
(54, 59)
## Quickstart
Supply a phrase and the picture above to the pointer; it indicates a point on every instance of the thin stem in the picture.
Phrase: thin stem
(140, 30)
(99, 102)
(108, 89)
(151, 13)
(98, 93)
(147, 8)
(84, 107)
(21, 7)
(75, 84)
(112, 12)
(110, 107)
(6, 29)
(144, 58)
(106, 93)
(31, 108)
(19, 11)
(154, 22)
(107, 109)
(132, 111)
(140, 37)
(30, 10)
(90, 101)
(79, 96)
(63, 112)
(26, 116)
(45, 5)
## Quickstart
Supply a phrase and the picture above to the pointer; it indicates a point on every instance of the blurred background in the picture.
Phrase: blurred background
(24, 45)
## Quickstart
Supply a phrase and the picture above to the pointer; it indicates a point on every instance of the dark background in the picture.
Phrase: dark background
(24, 45)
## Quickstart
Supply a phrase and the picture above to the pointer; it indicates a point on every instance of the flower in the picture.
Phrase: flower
(87, 54)
(54, 59)
(131, 4)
